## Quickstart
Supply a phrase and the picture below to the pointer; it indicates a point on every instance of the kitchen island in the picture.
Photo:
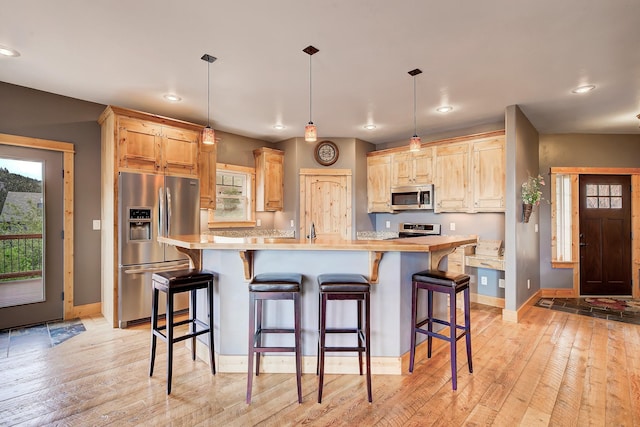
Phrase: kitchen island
(389, 265)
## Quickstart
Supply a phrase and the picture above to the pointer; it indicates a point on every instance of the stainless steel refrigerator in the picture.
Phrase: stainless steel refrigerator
(151, 205)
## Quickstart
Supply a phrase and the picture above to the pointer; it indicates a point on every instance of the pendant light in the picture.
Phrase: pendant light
(310, 130)
(414, 144)
(208, 135)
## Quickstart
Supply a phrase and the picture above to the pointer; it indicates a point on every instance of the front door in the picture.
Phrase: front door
(326, 202)
(31, 243)
(605, 235)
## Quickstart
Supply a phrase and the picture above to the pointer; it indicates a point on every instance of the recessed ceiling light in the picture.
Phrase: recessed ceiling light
(278, 127)
(444, 109)
(172, 97)
(370, 127)
(7, 51)
(584, 89)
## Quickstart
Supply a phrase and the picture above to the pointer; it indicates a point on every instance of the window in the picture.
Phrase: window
(234, 196)
(561, 215)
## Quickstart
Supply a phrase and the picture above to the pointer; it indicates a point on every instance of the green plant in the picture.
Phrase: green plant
(531, 193)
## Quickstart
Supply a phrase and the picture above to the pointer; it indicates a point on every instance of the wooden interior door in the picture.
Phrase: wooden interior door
(605, 235)
(325, 201)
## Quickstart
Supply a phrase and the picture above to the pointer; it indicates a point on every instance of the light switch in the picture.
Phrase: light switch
(96, 224)
(258, 222)
(293, 224)
(387, 224)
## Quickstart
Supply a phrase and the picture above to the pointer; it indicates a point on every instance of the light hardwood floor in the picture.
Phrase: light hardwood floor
(552, 368)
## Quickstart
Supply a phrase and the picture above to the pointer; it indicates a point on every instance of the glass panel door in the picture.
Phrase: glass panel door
(21, 232)
(31, 236)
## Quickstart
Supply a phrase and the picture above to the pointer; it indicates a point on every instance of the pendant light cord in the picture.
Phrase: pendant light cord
(415, 127)
(310, 93)
(209, 93)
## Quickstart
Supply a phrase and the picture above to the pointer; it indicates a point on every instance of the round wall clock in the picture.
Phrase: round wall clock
(326, 153)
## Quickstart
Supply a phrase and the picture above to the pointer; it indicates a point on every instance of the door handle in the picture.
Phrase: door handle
(584, 244)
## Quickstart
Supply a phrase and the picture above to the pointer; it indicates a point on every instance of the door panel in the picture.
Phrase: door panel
(605, 235)
(325, 202)
(50, 306)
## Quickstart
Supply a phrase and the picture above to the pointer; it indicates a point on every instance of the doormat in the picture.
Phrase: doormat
(619, 309)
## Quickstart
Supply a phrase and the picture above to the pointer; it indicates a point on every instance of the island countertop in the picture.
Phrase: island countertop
(411, 244)
(437, 246)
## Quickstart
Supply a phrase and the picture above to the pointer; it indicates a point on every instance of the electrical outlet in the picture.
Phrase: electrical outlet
(452, 226)
(535, 228)
(501, 283)
(293, 224)
(483, 280)
(96, 224)
(258, 222)
(528, 283)
(387, 224)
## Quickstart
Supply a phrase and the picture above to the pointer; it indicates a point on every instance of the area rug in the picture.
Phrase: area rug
(619, 309)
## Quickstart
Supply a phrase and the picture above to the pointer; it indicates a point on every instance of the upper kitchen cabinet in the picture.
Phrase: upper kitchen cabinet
(207, 171)
(269, 179)
(452, 190)
(379, 183)
(150, 143)
(489, 174)
(412, 168)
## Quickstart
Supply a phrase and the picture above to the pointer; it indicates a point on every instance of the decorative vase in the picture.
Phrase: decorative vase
(526, 211)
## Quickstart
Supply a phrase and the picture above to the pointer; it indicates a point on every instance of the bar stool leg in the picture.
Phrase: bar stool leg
(169, 322)
(414, 322)
(154, 326)
(192, 323)
(430, 322)
(367, 309)
(359, 334)
(323, 327)
(212, 361)
(452, 337)
(252, 327)
(467, 327)
(297, 334)
(258, 332)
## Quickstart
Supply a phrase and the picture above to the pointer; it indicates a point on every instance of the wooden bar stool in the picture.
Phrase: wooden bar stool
(450, 284)
(172, 283)
(273, 286)
(353, 287)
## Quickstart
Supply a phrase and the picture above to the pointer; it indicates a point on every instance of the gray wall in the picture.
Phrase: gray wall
(577, 150)
(522, 245)
(28, 112)
(299, 154)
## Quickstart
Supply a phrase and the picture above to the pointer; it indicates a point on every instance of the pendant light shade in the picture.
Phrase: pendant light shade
(208, 134)
(414, 144)
(310, 130)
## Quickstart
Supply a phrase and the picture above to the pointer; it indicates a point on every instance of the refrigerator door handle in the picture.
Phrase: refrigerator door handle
(143, 270)
(160, 212)
(168, 212)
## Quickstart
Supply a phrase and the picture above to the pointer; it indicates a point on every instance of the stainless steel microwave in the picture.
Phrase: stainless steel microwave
(412, 197)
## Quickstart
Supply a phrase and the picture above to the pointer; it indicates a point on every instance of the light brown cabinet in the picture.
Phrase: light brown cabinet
(154, 144)
(412, 168)
(452, 190)
(207, 172)
(269, 179)
(136, 142)
(379, 184)
(489, 175)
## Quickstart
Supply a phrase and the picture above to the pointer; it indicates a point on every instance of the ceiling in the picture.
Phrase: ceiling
(477, 56)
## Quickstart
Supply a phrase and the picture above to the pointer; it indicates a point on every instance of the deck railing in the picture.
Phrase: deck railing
(20, 256)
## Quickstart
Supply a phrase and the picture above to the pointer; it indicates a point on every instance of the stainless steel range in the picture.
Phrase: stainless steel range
(410, 229)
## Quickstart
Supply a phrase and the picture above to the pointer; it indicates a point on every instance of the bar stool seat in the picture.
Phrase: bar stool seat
(172, 283)
(273, 286)
(345, 286)
(450, 284)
